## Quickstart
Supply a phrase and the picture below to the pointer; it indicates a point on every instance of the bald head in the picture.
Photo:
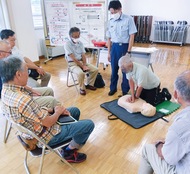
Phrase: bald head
(5, 49)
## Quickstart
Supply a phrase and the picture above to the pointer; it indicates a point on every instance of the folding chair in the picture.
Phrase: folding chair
(41, 152)
(7, 130)
(70, 73)
(8, 127)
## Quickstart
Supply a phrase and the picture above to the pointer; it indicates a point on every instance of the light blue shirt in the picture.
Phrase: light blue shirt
(119, 30)
(76, 49)
(176, 150)
(144, 77)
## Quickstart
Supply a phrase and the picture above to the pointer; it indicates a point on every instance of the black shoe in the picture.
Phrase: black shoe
(72, 156)
(90, 87)
(159, 98)
(112, 92)
(166, 94)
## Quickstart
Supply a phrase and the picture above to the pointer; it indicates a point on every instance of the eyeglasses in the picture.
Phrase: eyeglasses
(9, 52)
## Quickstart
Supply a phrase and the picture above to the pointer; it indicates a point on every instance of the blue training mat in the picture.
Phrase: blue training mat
(136, 120)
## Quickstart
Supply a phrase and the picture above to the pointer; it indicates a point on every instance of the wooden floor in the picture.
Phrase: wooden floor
(114, 147)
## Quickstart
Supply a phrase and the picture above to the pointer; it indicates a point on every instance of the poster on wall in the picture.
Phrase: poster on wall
(57, 16)
(89, 17)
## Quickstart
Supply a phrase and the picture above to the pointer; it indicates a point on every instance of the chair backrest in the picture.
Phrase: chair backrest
(45, 147)
(21, 129)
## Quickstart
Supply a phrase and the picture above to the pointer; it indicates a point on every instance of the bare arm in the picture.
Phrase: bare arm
(31, 65)
(109, 49)
(132, 88)
(34, 92)
(131, 41)
(83, 64)
(159, 146)
(51, 120)
(138, 91)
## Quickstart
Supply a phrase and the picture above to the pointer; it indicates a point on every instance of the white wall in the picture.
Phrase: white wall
(21, 22)
(39, 32)
(29, 40)
(160, 9)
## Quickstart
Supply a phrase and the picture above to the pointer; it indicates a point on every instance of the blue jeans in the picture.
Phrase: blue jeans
(117, 51)
(78, 132)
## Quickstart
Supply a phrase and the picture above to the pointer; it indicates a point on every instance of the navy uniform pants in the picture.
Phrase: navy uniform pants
(117, 51)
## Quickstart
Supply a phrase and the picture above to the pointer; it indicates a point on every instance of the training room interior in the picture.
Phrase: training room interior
(114, 147)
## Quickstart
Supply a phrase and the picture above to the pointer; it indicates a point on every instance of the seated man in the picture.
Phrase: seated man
(75, 55)
(143, 82)
(20, 107)
(9, 36)
(172, 155)
(42, 95)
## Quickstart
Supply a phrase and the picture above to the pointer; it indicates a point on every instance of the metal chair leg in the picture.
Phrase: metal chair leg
(74, 81)
(25, 163)
(7, 132)
(42, 160)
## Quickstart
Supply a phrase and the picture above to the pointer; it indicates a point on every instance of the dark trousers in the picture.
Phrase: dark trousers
(117, 51)
(149, 95)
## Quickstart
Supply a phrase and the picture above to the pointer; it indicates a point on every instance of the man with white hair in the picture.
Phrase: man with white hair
(142, 81)
(172, 155)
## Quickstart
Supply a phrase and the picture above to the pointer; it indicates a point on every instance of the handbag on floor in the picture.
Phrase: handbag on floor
(99, 82)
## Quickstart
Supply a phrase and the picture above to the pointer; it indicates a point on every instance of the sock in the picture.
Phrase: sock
(67, 148)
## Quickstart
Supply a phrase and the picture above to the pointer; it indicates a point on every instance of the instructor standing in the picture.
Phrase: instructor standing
(120, 34)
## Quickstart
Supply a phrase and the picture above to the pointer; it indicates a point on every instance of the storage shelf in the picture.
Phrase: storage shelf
(169, 33)
(177, 43)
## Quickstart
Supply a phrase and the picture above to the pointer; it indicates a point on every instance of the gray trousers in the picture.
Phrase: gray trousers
(152, 163)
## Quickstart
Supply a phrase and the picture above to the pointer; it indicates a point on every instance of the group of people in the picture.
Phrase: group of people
(21, 100)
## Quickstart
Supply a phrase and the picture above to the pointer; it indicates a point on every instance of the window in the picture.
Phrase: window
(2, 20)
(37, 13)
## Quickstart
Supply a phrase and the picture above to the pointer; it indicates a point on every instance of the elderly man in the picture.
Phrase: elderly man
(142, 81)
(42, 95)
(20, 107)
(75, 54)
(172, 156)
(9, 36)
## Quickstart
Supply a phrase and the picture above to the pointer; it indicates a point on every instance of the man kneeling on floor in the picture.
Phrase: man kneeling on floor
(143, 82)
(19, 106)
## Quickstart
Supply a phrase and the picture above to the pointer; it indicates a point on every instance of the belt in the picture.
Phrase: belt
(120, 43)
(73, 61)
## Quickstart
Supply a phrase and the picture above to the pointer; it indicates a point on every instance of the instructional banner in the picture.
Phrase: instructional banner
(57, 14)
(90, 18)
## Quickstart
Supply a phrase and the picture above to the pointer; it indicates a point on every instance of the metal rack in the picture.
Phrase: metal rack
(167, 32)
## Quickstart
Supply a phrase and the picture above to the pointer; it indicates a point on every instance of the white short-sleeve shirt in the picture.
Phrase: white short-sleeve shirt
(74, 48)
(144, 77)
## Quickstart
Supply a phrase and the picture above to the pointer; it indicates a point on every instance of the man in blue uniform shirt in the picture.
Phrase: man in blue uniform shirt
(120, 34)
